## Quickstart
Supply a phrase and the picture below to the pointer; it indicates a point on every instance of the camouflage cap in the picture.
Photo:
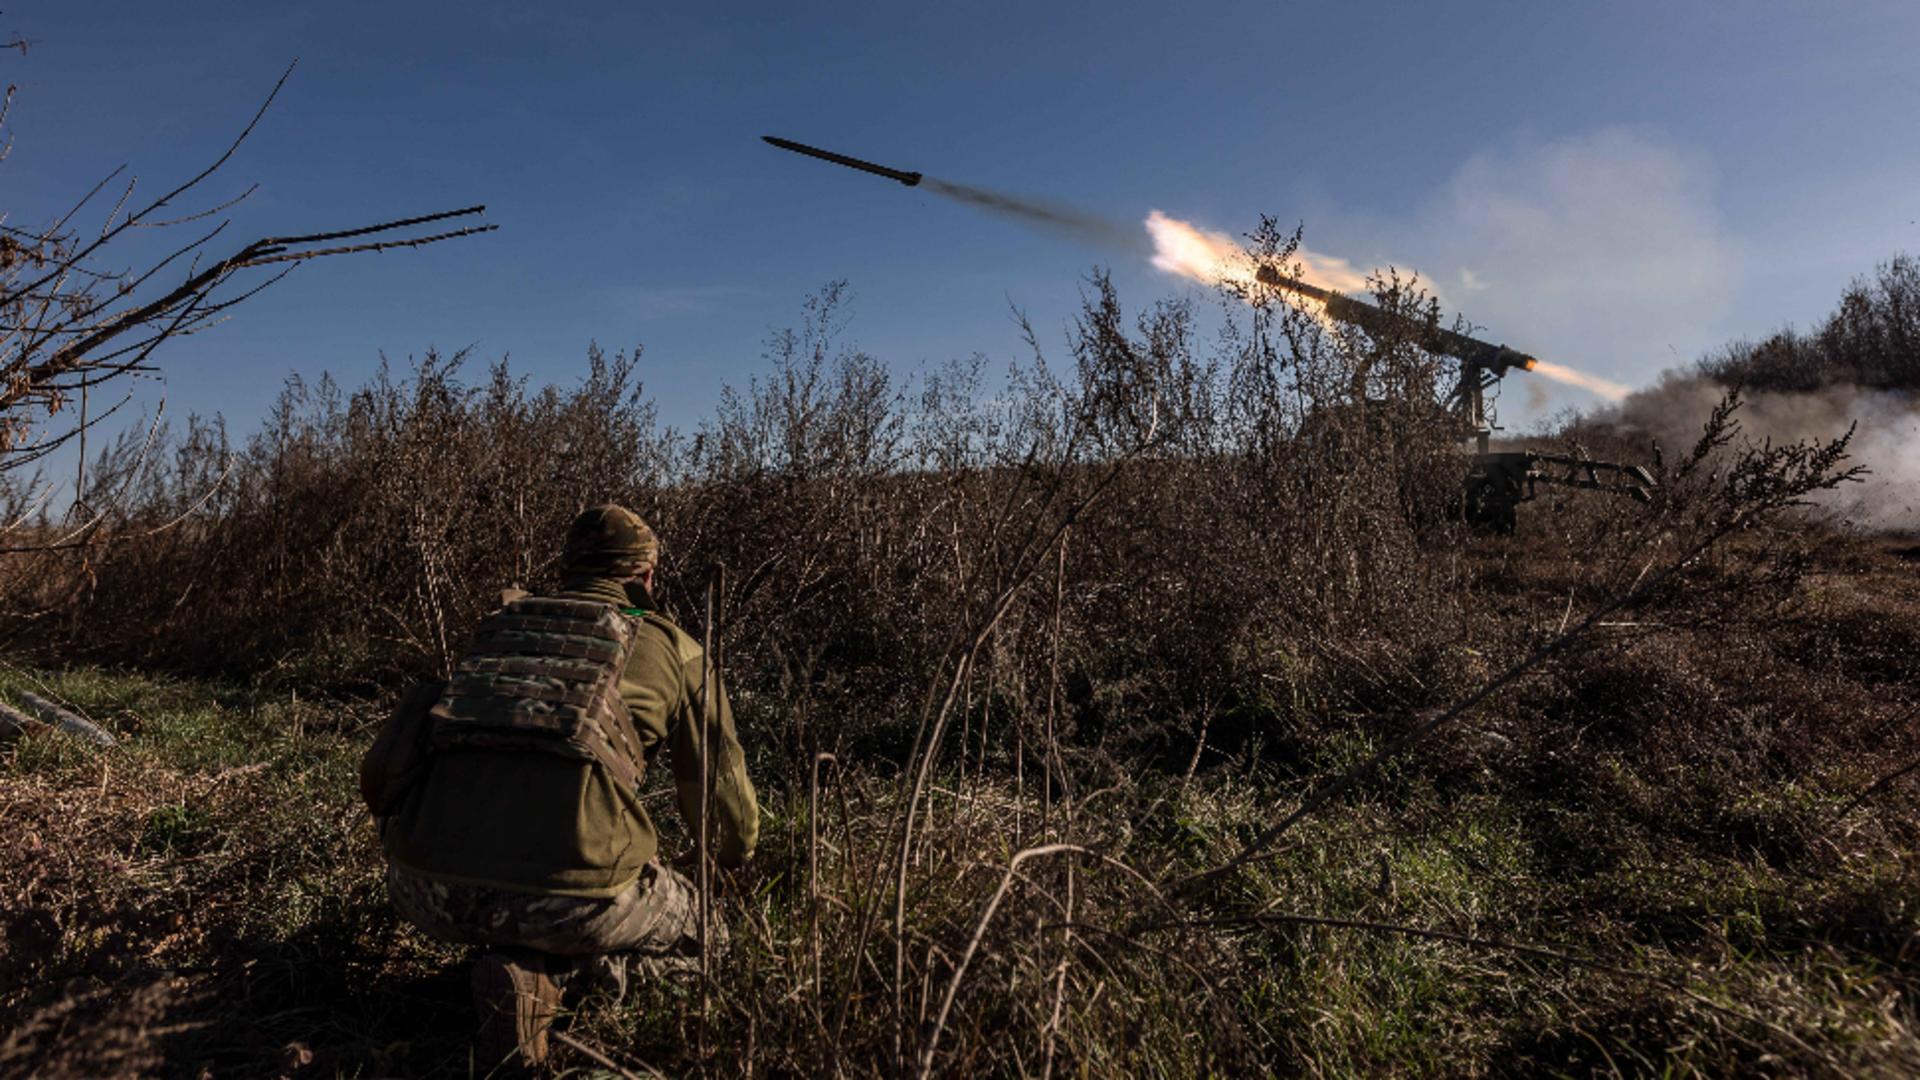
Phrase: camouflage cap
(609, 540)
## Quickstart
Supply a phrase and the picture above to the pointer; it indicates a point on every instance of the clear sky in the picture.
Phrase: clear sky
(1617, 186)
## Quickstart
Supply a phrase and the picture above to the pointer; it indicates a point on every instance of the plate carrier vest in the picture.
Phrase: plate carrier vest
(544, 675)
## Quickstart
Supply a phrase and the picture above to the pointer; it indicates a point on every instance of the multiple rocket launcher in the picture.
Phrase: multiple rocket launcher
(1496, 482)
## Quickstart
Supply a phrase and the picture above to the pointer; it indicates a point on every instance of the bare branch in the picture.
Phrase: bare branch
(381, 246)
(402, 223)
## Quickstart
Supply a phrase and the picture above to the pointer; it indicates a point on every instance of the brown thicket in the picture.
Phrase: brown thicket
(359, 535)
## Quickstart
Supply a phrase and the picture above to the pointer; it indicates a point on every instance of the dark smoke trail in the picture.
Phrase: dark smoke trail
(1053, 217)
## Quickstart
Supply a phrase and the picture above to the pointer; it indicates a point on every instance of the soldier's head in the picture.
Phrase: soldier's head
(610, 541)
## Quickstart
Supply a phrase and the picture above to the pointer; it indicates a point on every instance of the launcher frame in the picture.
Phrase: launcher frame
(1496, 482)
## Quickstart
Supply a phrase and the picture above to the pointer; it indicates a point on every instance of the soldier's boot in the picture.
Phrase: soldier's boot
(600, 977)
(661, 967)
(603, 978)
(517, 1000)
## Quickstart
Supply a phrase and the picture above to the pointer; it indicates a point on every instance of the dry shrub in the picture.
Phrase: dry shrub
(1280, 500)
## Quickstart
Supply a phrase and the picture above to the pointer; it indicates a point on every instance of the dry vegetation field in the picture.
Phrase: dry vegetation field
(1032, 673)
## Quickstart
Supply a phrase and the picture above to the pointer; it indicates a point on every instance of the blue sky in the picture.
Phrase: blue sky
(1615, 186)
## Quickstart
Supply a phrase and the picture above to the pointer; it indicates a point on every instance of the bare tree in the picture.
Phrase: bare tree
(74, 319)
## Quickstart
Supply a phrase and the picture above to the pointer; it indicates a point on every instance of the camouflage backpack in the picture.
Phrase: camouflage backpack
(544, 675)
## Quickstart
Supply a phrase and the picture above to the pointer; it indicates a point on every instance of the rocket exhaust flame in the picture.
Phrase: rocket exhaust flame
(1592, 384)
(1214, 258)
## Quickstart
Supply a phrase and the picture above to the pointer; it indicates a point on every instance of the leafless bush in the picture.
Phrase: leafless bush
(84, 308)
(360, 534)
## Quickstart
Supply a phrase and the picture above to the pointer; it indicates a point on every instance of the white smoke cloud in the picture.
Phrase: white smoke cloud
(1602, 251)
(1886, 439)
(1605, 251)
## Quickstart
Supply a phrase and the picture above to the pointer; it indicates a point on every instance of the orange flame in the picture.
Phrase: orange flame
(1593, 384)
(1214, 258)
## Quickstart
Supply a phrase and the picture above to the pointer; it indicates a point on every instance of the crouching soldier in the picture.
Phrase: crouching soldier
(524, 833)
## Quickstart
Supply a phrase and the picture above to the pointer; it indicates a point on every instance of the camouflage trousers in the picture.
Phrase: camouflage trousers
(657, 916)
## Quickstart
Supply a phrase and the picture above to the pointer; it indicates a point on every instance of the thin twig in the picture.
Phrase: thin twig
(932, 1045)
(709, 677)
(385, 226)
(601, 1059)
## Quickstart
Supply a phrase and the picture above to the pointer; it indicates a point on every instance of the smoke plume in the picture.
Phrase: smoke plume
(1886, 435)
(1602, 250)
(1066, 221)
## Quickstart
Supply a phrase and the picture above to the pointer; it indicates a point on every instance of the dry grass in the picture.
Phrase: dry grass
(208, 895)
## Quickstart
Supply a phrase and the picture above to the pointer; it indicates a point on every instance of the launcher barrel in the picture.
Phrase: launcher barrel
(1496, 360)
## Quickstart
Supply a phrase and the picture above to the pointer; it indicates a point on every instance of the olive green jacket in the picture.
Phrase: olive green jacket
(540, 823)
